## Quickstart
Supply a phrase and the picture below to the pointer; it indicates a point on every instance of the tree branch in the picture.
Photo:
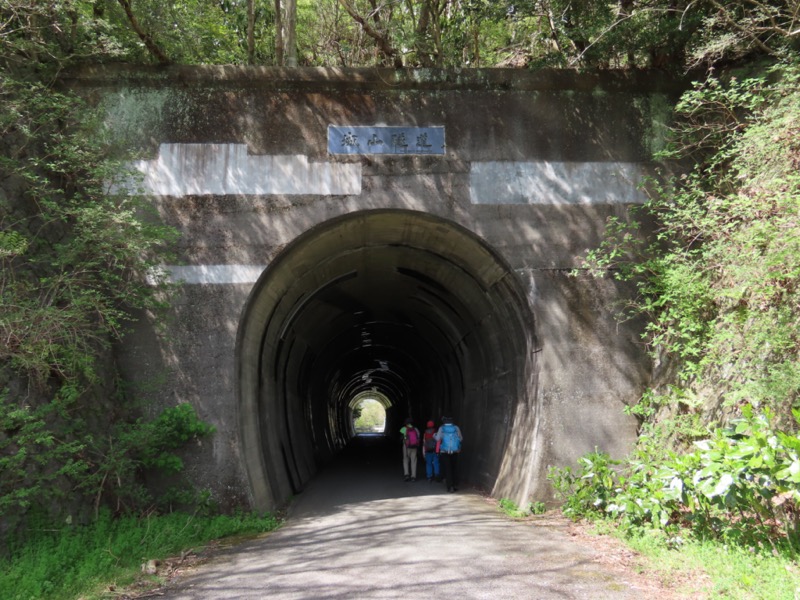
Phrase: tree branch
(383, 42)
(146, 38)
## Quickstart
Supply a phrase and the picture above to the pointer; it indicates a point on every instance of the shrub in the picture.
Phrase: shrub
(740, 484)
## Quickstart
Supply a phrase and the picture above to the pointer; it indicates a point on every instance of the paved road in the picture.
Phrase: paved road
(359, 531)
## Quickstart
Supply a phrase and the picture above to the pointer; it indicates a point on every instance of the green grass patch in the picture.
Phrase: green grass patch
(72, 562)
(717, 570)
(510, 508)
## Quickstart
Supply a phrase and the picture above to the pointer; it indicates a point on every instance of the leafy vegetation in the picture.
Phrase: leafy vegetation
(74, 260)
(73, 256)
(726, 512)
(540, 33)
(718, 458)
(718, 452)
(665, 34)
(55, 464)
(718, 284)
(74, 263)
(100, 559)
(741, 485)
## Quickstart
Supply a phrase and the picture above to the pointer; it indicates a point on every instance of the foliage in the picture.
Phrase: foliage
(588, 491)
(53, 462)
(74, 258)
(510, 508)
(719, 282)
(79, 561)
(195, 31)
(75, 261)
(537, 33)
(741, 485)
(538, 508)
(57, 33)
(410, 33)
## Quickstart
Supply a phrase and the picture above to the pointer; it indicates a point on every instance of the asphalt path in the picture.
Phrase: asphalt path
(360, 531)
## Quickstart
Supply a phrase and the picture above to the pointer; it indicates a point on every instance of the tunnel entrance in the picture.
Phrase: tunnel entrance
(398, 305)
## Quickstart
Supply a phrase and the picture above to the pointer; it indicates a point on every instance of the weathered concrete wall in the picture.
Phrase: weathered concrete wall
(283, 244)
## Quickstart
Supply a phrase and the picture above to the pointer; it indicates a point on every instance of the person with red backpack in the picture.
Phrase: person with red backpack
(429, 453)
(411, 442)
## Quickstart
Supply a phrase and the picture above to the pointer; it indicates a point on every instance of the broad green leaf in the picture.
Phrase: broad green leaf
(723, 485)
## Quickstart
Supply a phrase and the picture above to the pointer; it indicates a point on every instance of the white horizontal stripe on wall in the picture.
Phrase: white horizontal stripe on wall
(547, 182)
(219, 169)
(206, 274)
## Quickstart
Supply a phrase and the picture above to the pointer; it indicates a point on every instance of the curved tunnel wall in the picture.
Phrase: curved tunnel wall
(404, 303)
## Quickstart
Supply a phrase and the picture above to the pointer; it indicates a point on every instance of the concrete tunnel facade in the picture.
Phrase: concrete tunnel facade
(445, 278)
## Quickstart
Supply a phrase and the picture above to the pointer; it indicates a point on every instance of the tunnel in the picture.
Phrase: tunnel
(403, 306)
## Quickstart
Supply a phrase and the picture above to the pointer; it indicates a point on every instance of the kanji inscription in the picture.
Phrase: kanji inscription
(385, 140)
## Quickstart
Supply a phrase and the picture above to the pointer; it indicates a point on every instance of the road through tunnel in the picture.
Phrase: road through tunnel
(404, 306)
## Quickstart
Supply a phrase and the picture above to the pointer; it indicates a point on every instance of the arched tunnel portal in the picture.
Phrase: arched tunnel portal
(406, 305)
(371, 394)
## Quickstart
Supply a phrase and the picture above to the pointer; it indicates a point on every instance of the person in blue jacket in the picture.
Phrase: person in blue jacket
(449, 440)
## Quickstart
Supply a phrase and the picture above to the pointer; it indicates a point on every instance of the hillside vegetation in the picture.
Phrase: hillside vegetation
(719, 456)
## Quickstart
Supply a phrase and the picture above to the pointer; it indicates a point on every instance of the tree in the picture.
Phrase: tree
(143, 35)
(251, 25)
(278, 34)
(290, 33)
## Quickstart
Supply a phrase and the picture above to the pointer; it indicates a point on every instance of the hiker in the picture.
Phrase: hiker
(429, 453)
(449, 445)
(411, 440)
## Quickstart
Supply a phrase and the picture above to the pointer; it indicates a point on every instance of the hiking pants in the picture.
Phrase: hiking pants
(431, 464)
(410, 462)
(449, 462)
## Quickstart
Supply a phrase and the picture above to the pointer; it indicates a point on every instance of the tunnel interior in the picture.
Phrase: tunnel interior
(405, 307)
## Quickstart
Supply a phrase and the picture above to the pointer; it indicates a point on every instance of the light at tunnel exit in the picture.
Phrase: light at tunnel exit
(369, 416)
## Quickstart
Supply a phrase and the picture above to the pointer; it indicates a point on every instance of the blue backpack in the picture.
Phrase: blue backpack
(450, 441)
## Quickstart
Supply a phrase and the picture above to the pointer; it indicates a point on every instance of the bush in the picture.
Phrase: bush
(39, 470)
(740, 485)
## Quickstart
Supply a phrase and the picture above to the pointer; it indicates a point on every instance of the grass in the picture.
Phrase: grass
(510, 509)
(710, 569)
(84, 562)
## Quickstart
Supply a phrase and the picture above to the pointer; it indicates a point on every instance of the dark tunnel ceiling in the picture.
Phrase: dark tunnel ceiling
(386, 323)
(390, 301)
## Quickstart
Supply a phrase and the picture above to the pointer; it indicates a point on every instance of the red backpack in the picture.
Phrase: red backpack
(428, 440)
